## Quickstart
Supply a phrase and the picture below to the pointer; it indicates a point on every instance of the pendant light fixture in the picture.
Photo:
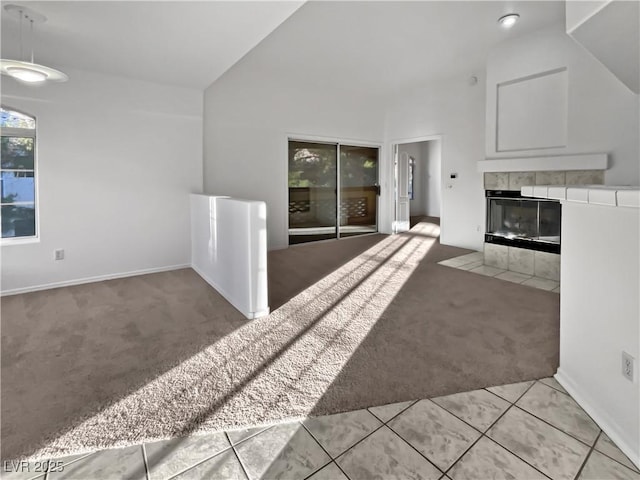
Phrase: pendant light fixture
(28, 71)
(508, 21)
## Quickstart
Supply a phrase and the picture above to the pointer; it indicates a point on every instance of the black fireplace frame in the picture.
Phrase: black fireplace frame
(527, 243)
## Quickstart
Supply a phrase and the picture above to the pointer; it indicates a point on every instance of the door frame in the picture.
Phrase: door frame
(300, 137)
(390, 176)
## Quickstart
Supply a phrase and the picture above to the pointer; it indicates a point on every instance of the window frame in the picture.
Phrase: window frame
(25, 133)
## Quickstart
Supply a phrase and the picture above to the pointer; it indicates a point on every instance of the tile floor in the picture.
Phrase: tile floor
(529, 430)
(473, 262)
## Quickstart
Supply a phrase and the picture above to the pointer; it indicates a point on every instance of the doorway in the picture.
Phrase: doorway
(333, 190)
(417, 181)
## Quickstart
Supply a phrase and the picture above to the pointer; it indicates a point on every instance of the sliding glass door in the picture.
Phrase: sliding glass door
(312, 191)
(358, 190)
(323, 176)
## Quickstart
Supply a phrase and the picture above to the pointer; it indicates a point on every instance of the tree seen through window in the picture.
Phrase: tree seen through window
(17, 174)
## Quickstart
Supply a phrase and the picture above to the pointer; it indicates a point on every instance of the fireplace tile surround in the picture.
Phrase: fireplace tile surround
(541, 265)
(519, 260)
(517, 180)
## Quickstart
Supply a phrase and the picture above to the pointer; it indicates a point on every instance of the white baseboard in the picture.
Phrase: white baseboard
(99, 278)
(603, 420)
(229, 298)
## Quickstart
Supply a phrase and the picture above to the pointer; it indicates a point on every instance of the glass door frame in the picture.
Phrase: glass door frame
(338, 143)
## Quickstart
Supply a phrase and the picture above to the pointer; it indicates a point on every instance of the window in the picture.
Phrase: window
(18, 174)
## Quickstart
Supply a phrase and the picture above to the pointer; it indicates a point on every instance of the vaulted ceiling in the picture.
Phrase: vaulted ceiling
(383, 47)
(184, 43)
(374, 46)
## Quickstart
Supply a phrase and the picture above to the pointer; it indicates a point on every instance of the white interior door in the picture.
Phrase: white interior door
(402, 223)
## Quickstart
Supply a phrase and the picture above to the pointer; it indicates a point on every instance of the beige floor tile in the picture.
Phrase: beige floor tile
(450, 263)
(605, 445)
(549, 450)
(513, 277)
(168, 458)
(478, 408)
(237, 436)
(541, 283)
(282, 451)
(385, 455)
(539, 434)
(337, 433)
(487, 459)
(434, 432)
(561, 411)
(387, 412)
(463, 260)
(471, 257)
(224, 466)
(330, 472)
(469, 266)
(552, 382)
(601, 467)
(106, 465)
(511, 392)
(487, 271)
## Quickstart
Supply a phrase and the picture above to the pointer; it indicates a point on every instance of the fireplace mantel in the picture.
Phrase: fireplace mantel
(593, 161)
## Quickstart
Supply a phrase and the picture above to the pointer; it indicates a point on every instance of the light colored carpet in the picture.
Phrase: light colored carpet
(139, 359)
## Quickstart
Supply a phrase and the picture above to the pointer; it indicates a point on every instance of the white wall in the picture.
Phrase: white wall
(455, 110)
(229, 250)
(612, 35)
(431, 151)
(578, 11)
(599, 312)
(247, 118)
(117, 159)
(601, 116)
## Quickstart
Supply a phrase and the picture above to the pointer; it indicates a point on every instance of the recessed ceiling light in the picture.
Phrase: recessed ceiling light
(508, 21)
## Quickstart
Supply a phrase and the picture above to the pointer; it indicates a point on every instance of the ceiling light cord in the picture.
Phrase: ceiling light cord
(21, 36)
(31, 39)
(25, 69)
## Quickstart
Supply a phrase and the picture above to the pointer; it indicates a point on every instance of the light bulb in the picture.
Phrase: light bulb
(508, 21)
(26, 74)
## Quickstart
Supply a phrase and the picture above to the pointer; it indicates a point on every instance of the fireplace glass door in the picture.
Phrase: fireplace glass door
(513, 218)
(526, 221)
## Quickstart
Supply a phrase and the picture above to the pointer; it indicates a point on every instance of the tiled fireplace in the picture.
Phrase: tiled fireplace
(518, 221)
(527, 239)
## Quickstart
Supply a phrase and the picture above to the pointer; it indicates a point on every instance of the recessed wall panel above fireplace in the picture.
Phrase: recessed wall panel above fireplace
(532, 112)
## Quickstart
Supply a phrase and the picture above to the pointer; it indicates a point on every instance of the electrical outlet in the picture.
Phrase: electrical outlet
(627, 366)
(58, 254)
